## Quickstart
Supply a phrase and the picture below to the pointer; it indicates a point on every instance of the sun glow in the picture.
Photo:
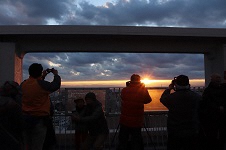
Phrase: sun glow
(146, 81)
(122, 83)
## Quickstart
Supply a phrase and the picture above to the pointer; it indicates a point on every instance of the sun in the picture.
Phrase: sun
(146, 81)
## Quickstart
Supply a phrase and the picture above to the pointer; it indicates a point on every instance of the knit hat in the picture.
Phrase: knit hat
(90, 95)
(182, 80)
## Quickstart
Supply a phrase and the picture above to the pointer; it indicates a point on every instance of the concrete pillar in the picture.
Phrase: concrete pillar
(214, 63)
(10, 64)
(224, 50)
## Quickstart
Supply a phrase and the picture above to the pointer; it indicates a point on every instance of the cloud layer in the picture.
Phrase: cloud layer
(182, 13)
(108, 66)
(118, 66)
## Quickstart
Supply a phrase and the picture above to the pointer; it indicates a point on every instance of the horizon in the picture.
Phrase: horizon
(122, 83)
(114, 69)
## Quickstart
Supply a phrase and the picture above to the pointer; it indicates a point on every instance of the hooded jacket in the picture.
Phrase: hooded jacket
(132, 109)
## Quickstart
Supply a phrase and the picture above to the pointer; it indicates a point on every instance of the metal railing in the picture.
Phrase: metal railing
(154, 130)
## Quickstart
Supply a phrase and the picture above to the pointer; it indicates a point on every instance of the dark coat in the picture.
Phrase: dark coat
(10, 124)
(95, 119)
(80, 126)
(183, 111)
(213, 98)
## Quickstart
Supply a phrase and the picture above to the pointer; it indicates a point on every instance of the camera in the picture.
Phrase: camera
(128, 83)
(174, 80)
(49, 70)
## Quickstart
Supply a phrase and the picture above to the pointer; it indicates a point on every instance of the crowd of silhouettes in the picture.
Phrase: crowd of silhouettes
(194, 122)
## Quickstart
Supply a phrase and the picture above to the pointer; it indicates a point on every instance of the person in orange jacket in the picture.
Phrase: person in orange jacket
(134, 96)
(36, 104)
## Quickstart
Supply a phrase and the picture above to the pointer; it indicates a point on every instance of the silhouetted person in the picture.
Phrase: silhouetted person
(50, 139)
(36, 105)
(212, 115)
(134, 96)
(81, 130)
(10, 117)
(96, 123)
(182, 123)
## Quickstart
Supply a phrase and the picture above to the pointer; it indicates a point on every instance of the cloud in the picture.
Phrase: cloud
(183, 13)
(34, 12)
(106, 66)
(179, 13)
(118, 66)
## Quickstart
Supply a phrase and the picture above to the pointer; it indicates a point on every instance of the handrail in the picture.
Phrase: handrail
(154, 124)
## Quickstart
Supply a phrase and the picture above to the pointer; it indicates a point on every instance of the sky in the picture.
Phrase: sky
(116, 66)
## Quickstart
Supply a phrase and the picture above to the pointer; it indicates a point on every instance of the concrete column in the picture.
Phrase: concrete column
(214, 63)
(10, 63)
(224, 50)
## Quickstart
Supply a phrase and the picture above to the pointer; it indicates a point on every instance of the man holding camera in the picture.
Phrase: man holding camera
(134, 96)
(36, 104)
(182, 123)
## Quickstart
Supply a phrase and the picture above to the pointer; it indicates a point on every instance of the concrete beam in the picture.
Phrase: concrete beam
(15, 41)
(11, 64)
(224, 50)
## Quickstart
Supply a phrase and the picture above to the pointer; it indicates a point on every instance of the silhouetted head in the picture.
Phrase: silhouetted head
(215, 79)
(90, 98)
(79, 102)
(135, 78)
(9, 88)
(35, 70)
(182, 80)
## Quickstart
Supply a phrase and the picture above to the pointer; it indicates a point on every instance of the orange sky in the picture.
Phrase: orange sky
(122, 83)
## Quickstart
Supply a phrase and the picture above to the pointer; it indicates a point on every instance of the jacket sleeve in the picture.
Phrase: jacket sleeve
(147, 97)
(208, 100)
(164, 98)
(51, 86)
(98, 112)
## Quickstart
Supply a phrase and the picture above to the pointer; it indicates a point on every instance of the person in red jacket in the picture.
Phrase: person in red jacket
(134, 96)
